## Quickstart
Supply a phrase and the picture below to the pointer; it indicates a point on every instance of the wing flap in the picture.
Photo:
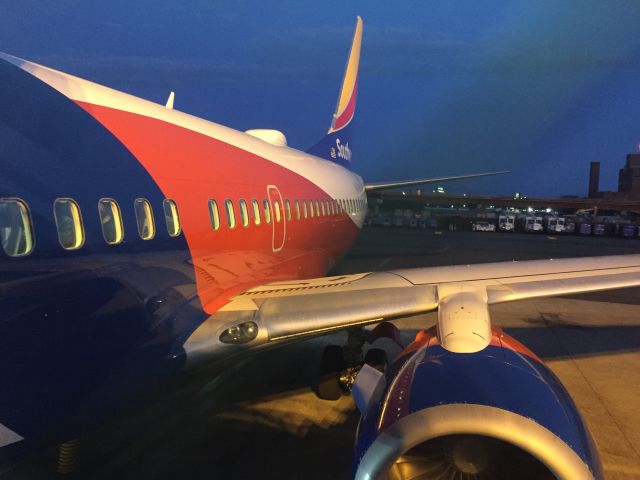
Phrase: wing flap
(303, 315)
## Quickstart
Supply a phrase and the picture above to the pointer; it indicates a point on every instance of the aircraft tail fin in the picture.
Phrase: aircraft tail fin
(335, 145)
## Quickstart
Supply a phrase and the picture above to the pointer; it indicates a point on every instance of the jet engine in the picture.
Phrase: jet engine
(499, 413)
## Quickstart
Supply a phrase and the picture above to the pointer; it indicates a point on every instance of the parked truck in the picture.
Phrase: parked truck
(506, 223)
(555, 225)
(533, 224)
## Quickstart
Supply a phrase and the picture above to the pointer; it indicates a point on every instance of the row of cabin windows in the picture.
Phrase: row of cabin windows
(16, 231)
(261, 211)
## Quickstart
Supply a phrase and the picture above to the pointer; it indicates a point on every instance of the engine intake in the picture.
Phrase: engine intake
(470, 441)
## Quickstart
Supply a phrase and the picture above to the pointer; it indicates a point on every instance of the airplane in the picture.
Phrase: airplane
(140, 241)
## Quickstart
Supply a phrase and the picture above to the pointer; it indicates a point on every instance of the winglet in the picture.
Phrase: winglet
(334, 146)
(346, 107)
(169, 104)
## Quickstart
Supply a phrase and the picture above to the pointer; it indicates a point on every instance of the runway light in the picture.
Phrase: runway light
(242, 333)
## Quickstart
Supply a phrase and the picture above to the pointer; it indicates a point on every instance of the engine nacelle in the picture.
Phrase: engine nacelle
(498, 413)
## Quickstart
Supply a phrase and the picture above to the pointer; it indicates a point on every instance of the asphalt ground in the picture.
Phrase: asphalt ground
(257, 417)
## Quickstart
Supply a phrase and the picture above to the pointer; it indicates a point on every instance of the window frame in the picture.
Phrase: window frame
(214, 214)
(255, 206)
(148, 216)
(287, 209)
(244, 212)
(119, 226)
(267, 211)
(25, 216)
(175, 216)
(296, 205)
(230, 211)
(276, 211)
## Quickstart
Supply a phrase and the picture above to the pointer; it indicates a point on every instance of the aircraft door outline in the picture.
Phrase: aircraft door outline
(278, 229)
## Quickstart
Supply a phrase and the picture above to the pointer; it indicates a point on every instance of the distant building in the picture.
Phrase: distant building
(628, 180)
(629, 176)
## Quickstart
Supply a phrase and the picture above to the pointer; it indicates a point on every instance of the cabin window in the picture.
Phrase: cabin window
(144, 219)
(321, 211)
(276, 210)
(267, 211)
(312, 209)
(244, 213)
(68, 218)
(231, 213)
(171, 217)
(256, 211)
(332, 207)
(304, 208)
(16, 232)
(287, 208)
(214, 214)
(297, 207)
(110, 221)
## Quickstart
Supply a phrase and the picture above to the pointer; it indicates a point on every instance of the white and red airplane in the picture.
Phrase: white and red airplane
(139, 240)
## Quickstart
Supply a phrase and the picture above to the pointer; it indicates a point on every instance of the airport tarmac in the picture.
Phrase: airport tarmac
(259, 419)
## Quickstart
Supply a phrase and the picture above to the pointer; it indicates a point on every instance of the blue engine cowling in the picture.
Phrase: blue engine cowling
(498, 413)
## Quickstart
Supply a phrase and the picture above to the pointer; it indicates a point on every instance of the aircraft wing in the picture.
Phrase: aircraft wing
(461, 294)
(369, 187)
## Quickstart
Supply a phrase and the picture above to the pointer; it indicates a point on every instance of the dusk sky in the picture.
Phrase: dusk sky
(536, 87)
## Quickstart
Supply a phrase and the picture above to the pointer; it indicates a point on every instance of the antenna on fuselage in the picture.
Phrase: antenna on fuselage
(169, 103)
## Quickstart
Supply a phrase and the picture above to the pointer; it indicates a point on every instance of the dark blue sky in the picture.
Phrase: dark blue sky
(538, 87)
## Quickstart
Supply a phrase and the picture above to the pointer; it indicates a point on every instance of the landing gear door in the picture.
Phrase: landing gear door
(279, 219)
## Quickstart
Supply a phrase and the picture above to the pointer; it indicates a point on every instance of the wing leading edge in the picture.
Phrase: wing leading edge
(369, 187)
(461, 294)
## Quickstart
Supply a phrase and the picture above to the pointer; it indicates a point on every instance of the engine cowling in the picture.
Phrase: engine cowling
(499, 413)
